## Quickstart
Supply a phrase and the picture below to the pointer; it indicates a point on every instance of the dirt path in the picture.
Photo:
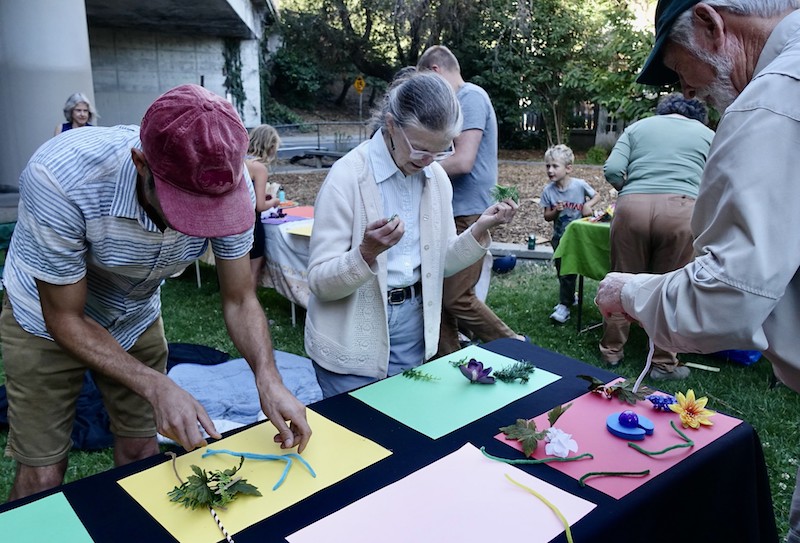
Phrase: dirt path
(528, 175)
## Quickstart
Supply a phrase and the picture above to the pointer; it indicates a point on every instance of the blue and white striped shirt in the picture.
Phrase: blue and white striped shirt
(79, 216)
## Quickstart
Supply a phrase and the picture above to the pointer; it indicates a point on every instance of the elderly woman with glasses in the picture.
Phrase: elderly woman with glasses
(384, 238)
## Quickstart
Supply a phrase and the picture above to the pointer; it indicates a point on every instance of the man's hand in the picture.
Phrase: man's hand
(280, 406)
(380, 236)
(609, 294)
(179, 416)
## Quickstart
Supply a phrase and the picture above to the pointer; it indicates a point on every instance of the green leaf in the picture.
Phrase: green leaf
(556, 412)
(519, 370)
(501, 192)
(594, 382)
(417, 374)
(458, 363)
(211, 489)
(525, 432)
(622, 391)
(243, 487)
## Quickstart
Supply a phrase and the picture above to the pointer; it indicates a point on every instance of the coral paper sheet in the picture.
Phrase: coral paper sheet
(586, 421)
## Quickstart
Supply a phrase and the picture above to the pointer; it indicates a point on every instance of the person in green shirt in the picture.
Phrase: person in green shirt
(656, 166)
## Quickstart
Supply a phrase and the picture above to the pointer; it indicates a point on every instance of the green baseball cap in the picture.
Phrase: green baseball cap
(654, 72)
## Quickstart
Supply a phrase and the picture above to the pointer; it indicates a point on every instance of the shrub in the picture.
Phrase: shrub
(596, 155)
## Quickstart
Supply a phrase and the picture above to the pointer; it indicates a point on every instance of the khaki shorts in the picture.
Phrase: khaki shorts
(43, 384)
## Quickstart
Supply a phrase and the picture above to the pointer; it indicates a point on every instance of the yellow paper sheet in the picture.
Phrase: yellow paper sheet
(334, 452)
(301, 230)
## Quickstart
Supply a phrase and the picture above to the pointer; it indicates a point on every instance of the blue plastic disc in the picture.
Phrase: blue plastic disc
(645, 427)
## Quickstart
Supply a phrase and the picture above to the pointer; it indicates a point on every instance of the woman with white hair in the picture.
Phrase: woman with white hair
(78, 111)
(384, 238)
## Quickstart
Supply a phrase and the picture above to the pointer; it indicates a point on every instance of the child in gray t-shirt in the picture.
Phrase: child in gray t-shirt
(563, 200)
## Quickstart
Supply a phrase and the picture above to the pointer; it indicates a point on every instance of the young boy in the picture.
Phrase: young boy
(564, 199)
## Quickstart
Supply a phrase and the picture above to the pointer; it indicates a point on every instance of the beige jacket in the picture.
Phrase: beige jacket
(346, 323)
(743, 289)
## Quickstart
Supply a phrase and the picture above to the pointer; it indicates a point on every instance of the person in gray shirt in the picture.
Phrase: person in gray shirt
(473, 171)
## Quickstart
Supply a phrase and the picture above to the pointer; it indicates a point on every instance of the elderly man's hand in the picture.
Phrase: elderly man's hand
(609, 293)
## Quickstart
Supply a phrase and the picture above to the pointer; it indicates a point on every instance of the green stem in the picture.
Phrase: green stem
(535, 460)
(549, 504)
(689, 443)
(582, 480)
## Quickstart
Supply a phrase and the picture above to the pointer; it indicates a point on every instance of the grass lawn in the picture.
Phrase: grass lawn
(524, 299)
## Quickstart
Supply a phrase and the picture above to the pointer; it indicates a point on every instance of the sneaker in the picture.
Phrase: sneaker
(561, 314)
(680, 372)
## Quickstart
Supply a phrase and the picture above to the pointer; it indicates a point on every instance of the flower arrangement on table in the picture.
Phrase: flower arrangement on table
(477, 373)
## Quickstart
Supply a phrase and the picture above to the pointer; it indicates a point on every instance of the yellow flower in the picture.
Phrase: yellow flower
(693, 412)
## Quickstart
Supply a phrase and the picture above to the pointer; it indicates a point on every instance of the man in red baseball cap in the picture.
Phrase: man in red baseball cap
(742, 291)
(106, 214)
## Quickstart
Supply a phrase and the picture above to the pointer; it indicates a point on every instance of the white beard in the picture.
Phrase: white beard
(720, 93)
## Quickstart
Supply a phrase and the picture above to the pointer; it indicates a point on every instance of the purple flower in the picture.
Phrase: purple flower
(475, 372)
(661, 402)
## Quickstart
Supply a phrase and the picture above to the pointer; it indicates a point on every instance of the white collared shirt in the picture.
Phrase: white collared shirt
(402, 195)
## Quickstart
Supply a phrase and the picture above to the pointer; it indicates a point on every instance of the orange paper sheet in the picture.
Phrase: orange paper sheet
(353, 453)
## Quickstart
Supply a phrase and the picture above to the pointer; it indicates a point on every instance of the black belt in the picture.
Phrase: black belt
(397, 296)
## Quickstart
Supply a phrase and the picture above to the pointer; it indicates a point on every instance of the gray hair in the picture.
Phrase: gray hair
(75, 99)
(423, 100)
(681, 31)
(691, 108)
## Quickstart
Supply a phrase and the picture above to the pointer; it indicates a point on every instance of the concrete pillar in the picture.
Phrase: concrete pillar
(44, 57)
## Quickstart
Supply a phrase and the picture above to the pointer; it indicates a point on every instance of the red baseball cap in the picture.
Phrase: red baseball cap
(195, 146)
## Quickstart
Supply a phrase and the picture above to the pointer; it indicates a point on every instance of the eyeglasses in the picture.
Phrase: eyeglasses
(415, 154)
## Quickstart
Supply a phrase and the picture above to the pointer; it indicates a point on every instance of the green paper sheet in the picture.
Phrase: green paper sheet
(48, 519)
(439, 407)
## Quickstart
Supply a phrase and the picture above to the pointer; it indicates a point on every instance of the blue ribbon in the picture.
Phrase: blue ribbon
(254, 456)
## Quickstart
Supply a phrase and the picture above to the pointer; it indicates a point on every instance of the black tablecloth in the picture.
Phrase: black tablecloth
(718, 494)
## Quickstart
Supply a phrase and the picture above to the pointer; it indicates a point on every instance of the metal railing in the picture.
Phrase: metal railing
(333, 136)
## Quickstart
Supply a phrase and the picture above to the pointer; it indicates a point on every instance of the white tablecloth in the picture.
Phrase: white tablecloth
(287, 261)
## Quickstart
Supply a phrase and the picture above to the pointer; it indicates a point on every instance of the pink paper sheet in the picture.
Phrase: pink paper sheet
(586, 421)
(462, 497)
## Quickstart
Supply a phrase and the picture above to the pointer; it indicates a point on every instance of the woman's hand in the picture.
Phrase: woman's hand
(380, 236)
(500, 213)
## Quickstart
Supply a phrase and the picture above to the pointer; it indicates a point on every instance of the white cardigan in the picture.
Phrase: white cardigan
(346, 323)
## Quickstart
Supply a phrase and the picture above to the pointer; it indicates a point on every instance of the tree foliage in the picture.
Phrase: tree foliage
(540, 57)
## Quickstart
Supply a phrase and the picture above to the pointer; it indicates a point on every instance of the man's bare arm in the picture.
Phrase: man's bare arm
(248, 328)
(177, 412)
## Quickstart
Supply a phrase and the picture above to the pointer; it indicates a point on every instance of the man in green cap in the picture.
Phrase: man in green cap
(742, 291)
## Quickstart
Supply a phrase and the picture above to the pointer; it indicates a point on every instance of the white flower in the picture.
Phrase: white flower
(559, 443)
